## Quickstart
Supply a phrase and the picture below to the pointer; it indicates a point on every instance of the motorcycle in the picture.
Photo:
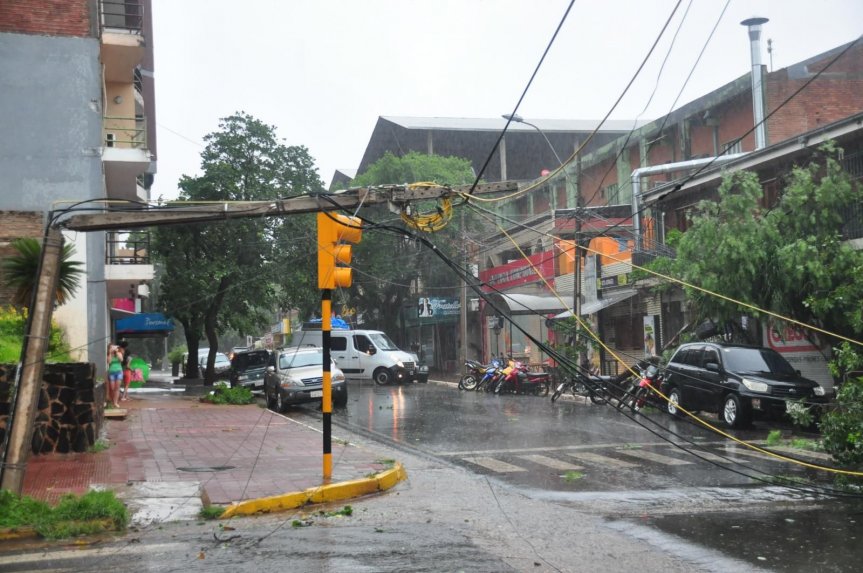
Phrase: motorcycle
(474, 373)
(491, 376)
(520, 380)
(641, 392)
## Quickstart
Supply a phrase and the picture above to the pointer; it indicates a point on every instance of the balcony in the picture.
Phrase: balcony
(122, 27)
(125, 156)
(127, 262)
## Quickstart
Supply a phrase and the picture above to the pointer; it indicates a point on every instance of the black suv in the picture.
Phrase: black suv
(248, 368)
(737, 382)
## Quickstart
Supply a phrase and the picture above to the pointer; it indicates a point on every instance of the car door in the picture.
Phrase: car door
(345, 355)
(711, 379)
(365, 354)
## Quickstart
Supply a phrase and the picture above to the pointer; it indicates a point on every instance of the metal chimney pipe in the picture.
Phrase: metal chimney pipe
(754, 26)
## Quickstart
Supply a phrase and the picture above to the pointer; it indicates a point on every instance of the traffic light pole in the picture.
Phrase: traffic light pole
(327, 403)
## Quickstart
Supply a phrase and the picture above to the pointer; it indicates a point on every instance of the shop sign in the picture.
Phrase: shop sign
(437, 307)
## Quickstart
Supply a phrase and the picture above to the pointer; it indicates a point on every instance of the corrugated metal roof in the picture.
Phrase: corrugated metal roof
(497, 124)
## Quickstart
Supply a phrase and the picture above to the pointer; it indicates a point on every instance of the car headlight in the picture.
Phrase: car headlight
(756, 386)
(819, 391)
(400, 364)
(290, 382)
(340, 377)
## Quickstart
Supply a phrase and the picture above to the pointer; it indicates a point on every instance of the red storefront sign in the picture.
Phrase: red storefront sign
(519, 272)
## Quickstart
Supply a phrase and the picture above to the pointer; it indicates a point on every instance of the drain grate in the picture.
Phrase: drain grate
(206, 469)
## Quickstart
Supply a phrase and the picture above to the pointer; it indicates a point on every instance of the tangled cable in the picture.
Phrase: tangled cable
(431, 222)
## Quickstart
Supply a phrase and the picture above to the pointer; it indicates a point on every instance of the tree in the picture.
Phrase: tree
(791, 260)
(387, 264)
(21, 271)
(231, 275)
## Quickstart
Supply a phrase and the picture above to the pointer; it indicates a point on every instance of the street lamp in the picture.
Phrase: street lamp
(576, 278)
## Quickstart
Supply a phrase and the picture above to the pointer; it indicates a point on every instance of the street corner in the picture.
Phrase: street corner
(341, 491)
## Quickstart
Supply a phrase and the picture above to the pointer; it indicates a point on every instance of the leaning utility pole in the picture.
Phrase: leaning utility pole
(25, 394)
(19, 425)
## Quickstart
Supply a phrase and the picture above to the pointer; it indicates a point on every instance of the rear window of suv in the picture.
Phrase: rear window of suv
(249, 360)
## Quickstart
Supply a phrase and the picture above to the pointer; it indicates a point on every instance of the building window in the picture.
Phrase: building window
(629, 331)
(611, 194)
(732, 147)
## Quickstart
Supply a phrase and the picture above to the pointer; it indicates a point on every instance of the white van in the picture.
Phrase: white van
(365, 355)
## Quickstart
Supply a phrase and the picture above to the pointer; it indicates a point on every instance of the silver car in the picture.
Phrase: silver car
(296, 376)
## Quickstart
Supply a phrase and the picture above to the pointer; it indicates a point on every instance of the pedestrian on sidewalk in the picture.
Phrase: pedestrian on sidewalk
(127, 369)
(115, 374)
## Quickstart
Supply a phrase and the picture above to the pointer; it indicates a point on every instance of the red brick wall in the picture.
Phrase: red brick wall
(14, 225)
(837, 94)
(46, 17)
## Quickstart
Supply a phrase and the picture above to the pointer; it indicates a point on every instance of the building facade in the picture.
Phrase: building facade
(78, 118)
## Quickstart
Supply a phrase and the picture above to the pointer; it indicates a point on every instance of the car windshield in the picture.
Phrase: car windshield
(250, 360)
(382, 342)
(756, 360)
(300, 359)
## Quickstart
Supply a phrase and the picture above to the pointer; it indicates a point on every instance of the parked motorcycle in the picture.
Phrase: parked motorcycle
(491, 376)
(641, 392)
(474, 373)
(520, 380)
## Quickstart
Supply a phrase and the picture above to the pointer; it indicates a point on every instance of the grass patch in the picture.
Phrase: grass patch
(804, 444)
(93, 512)
(211, 512)
(224, 394)
(572, 476)
(100, 446)
(386, 462)
(346, 511)
(774, 438)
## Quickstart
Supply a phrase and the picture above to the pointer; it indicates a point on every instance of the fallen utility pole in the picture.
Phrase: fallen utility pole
(19, 426)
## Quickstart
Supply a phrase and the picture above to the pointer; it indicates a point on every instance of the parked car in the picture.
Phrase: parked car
(221, 366)
(248, 368)
(737, 382)
(295, 376)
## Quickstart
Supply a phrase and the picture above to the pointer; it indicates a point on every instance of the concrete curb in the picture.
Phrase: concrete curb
(321, 494)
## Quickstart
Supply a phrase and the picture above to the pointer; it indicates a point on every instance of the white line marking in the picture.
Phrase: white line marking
(495, 465)
(550, 462)
(591, 458)
(653, 457)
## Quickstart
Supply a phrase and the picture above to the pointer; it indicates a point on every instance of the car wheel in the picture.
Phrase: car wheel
(383, 376)
(734, 413)
(674, 404)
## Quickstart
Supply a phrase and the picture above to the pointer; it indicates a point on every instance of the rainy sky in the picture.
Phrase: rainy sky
(323, 71)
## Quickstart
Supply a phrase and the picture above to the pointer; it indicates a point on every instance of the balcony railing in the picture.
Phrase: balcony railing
(127, 248)
(126, 132)
(125, 15)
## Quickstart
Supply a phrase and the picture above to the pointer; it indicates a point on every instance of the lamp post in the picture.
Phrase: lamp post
(576, 285)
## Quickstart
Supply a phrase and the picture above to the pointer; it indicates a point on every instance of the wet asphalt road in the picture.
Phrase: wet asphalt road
(668, 481)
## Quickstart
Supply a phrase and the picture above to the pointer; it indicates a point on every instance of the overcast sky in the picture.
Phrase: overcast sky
(322, 71)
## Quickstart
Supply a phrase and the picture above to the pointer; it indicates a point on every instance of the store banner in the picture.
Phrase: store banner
(438, 307)
(650, 335)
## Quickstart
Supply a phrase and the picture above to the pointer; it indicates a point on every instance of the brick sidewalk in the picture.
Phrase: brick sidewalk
(235, 452)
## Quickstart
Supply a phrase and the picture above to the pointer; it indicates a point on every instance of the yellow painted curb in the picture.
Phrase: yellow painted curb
(321, 494)
(8, 534)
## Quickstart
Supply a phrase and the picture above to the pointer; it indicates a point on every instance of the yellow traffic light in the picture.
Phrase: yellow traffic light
(333, 229)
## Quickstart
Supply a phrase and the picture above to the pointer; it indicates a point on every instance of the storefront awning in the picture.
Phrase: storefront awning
(608, 299)
(142, 325)
(530, 303)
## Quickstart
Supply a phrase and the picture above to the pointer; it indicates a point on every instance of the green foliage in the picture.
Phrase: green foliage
(774, 438)
(223, 394)
(100, 446)
(233, 275)
(90, 513)
(20, 271)
(790, 260)
(385, 263)
(842, 427)
(175, 355)
(211, 512)
(572, 476)
(12, 325)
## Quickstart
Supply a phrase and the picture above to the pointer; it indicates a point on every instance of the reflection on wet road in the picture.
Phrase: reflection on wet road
(667, 480)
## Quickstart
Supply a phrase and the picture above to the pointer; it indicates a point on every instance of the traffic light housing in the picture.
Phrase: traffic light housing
(333, 230)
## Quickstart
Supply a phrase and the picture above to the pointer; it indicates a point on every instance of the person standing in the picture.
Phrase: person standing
(127, 369)
(115, 374)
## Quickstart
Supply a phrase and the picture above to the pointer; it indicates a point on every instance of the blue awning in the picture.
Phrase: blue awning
(152, 323)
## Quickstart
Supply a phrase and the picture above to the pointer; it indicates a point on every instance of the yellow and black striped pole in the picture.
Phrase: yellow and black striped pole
(327, 405)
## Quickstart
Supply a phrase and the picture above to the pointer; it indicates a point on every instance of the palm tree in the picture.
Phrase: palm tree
(20, 271)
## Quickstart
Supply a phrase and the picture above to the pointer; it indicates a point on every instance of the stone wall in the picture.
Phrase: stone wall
(71, 407)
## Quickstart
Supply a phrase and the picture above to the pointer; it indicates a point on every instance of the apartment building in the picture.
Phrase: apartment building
(78, 128)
